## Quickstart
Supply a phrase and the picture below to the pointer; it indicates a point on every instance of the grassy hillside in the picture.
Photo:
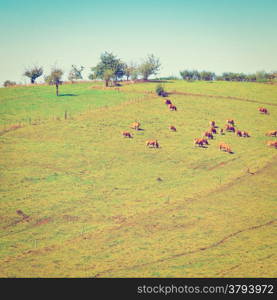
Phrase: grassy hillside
(102, 205)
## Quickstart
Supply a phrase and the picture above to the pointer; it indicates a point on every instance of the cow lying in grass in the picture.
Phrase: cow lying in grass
(225, 147)
(272, 144)
(242, 133)
(152, 144)
(172, 128)
(172, 107)
(263, 110)
(229, 127)
(126, 134)
(271, 133)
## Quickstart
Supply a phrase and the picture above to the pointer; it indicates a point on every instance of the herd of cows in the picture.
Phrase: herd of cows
(209, 134)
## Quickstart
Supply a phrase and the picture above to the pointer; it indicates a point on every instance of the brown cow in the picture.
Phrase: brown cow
(172, 107)
(230, 121)
(271, 133)
(135, 125)
(167, 102)
(208, 134)
(245, 134)
(225, 147)
(172, 128)
(272, 144)
(212, 130)
(201, 142)
(230, 128)
(127, 134)
(239, 133)
(263, 110)
(152, 143)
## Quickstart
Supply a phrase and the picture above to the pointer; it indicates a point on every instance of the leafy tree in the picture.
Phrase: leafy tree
(8, 83)
(33, 73)
(55, 78)
(109, 68)
(75, 73)
(150, 66)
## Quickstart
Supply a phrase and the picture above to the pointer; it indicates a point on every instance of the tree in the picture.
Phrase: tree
(33, 73)
(55, 78)
(109, 68)
(8, 83)
(150, 66)
(75, 73)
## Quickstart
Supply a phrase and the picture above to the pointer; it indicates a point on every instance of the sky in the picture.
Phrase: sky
(213, 35)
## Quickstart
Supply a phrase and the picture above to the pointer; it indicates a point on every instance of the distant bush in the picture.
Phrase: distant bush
(160, 91)
(8, 83)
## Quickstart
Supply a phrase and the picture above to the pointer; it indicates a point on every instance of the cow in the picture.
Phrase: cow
(239, 133)
(126, 134)
(271, 133)
(230, 121)
(172, 107)
(212, 130)
(172, 128)
(272, 144)
(212, 123)
(221, 131)
(225, 147)
(208, 134)
(201, 142)
(230, 128)
(167, 102)
(263, 110)
(152, 143)
(135, 125)
(245, 134)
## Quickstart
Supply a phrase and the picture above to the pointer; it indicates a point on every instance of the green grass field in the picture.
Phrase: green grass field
(101, 205)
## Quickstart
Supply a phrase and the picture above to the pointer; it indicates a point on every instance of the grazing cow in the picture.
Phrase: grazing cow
(127, 134)
(212, 130)
(263, 110)
(167, 102)
(201, 142)
(245, 134)
(172, 128)
(135, 125)
(172, 107)
(225, 147)
(271, 133)
(230, 128)
(152, 143)
(272, 144)
(239, 133)
(230, 121)
(212, 123)
(208, 134)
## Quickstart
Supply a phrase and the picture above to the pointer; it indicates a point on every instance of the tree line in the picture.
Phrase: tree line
(111, 69)
(259, 76)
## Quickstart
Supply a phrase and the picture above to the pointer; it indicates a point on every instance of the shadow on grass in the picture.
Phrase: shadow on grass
(71, 95)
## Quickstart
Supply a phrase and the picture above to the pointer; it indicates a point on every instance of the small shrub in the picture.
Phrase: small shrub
(8, 83)
(160, 91)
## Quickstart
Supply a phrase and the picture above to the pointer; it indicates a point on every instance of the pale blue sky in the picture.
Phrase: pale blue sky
(215, 35)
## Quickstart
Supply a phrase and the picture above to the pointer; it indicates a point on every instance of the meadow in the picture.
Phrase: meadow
(100, 205)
